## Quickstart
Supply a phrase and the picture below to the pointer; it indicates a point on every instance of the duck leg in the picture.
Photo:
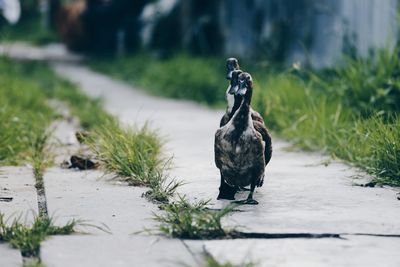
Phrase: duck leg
(242, 188)
(226, 191)
(249, 200)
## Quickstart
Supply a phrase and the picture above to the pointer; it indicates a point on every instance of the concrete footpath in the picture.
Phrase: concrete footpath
(301, 195)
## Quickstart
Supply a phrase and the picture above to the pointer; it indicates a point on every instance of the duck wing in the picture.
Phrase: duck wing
(218, 149)
(266, 137)
(255, 116)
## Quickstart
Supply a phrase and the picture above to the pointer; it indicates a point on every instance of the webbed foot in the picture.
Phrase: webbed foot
(246, 202)
(227, 192)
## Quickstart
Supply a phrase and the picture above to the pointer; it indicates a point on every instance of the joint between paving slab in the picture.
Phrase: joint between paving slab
(192, 253)
(41, 198)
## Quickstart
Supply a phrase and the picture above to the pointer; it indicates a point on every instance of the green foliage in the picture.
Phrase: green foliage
(25, 88)
(368, 85)
(23, 113)
(181, 77)
(90, 112)
(133, 154)
(210, 261)
(29, 28)
(33, 262)
(182, 219)
(162, 188)
(28, 238)
(316, 120)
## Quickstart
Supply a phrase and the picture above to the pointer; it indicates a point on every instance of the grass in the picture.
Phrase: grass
(23, 113)
(182, 219)
(349, 112)
(315, 120)
(182, 77)
(28, 238)
(210, 261)
(33, 262)
(25, 88)
(135, 155)
(28, 29)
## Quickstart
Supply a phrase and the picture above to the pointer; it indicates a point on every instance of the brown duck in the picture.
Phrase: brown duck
(242, 146)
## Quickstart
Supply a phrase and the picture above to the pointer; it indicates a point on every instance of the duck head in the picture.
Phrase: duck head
(234, 84)
(231, 65)
(245, 84)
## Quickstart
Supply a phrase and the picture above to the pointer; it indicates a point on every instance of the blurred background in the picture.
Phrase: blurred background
(313, 32)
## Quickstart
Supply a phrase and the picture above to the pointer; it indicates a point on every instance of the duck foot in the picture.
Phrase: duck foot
(246, 202)
(227, 192)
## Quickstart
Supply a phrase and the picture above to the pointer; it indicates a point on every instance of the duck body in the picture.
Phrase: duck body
(257, 119)
(239, 154)
(240, 148)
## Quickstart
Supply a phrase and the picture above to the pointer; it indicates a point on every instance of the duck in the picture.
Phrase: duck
(226, 192)
(232, 71)
(242, 146)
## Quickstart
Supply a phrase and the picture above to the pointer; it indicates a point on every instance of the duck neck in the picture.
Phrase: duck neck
(235, 106)
(242, 117)
(231, 103)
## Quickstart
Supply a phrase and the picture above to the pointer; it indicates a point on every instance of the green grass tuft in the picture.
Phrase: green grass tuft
(182, 219)
(28, 238)
(133, 154)
(33, 262)
(210, 261)
(182, 77)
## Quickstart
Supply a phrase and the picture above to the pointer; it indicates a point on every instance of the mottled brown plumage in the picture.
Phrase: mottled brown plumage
(240, 148)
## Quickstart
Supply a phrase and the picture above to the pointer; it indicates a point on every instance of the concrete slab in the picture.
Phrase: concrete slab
(87, 195)
(18, 197)
(352, 251)
(111, 250)
(9, 257)
(300, 193)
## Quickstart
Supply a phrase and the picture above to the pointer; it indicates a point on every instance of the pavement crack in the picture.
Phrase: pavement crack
(250, 235)
(41, 198)
(192, 253)
(369, 234)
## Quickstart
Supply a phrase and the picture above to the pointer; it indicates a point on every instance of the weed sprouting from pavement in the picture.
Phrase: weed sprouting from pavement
(182, 219)
(33, 262)
(40, 156)
(210, 261)
(135, 155)
(162, 188)
(28, 238)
